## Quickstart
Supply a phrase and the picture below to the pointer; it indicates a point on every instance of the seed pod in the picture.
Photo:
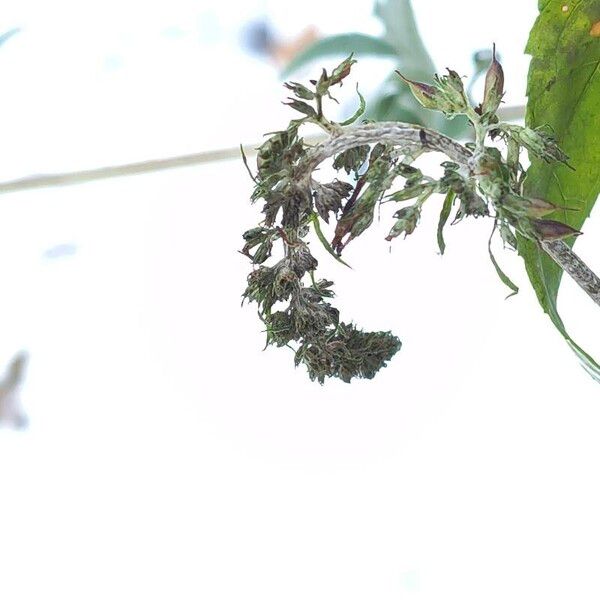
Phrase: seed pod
(427, 95)
(539, 208)
(548, 230)
(494, 86)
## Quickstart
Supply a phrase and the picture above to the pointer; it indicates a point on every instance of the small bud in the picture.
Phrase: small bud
(341, 71)
(427, 95)
(547, 230)
(328, 197)
(494, 86)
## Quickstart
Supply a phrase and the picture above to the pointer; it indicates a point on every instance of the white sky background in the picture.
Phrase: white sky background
(167, 456)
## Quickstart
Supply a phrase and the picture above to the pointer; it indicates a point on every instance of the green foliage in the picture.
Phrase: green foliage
(563, 97)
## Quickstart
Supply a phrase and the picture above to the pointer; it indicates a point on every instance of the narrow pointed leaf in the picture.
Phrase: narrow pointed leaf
(501, 274)
(444, 214)
(323, 240)
(359, 112)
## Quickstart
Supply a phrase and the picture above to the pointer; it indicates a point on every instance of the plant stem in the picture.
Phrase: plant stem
(583, 276)
(409, 136)
(421, 139)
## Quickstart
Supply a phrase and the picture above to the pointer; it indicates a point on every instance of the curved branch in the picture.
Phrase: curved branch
(394, 133)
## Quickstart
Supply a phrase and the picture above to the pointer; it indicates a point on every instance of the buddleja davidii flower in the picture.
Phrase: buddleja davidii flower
(308, 316)
(347, 354)
(268, 285)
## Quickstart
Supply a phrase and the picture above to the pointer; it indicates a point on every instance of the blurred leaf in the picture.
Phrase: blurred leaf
(564, 94)
(8, 34)
(481, 62)
(343, 44)
(391, 107)
(402, 34)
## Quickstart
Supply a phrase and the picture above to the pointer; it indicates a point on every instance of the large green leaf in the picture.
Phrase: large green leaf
(341, 45)
(564, 94)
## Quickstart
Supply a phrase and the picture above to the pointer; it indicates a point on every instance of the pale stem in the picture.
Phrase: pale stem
(421, 139)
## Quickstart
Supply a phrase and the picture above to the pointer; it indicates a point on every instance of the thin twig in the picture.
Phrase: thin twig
(583, 276)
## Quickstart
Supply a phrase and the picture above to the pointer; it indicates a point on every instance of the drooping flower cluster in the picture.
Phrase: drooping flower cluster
(294, 306)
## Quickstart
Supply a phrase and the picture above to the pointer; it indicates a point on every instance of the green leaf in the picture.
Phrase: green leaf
(536, 276)
(359, 112)
(323, 240)
(563, 94)
(343, 44)
(444, 214)
(503, 276)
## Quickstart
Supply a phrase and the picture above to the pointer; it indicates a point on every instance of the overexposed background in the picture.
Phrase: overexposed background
(167, 456)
